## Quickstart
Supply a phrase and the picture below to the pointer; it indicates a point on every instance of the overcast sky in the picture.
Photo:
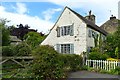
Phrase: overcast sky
(42, 14)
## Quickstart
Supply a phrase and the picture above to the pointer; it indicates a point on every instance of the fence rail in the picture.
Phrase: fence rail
(102, 64)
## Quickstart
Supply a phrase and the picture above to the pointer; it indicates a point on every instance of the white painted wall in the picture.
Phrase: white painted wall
(78, 39)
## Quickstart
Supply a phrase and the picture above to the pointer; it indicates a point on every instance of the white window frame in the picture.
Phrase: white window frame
(65, 30)
(65, 48)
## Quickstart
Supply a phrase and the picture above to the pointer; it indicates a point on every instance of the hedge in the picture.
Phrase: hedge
(49, 64)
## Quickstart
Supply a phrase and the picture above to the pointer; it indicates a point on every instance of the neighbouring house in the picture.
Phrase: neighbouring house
(14, 40)
(21, 31)
(74, 34)
(111, 25)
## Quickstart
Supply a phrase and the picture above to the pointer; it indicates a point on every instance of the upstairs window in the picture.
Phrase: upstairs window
(94, 34)
(65, 30)
(89, 33)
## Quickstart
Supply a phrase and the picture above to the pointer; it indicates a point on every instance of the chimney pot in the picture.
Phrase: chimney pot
(112, 17)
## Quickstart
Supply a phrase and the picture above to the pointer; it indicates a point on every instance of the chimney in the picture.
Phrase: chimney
(91, 17)
(112, 17)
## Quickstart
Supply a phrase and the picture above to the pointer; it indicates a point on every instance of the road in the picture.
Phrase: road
(86, 75)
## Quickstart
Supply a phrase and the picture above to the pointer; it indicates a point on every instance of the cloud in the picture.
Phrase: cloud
(21, 8)
(101, 8)
(49, 13)
(34, 22)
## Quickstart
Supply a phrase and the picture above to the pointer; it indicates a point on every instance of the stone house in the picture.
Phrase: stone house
(73, 33)
(110, 26)
(14, 40)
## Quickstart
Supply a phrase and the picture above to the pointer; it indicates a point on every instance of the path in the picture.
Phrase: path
(86, 74)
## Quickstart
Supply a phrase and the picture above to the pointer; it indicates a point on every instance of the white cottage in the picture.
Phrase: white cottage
(73, 33)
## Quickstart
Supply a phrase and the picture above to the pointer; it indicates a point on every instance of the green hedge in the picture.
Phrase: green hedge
(97, 56)
(22, 49)
(48, 64)
(71, 61)
(7, 50)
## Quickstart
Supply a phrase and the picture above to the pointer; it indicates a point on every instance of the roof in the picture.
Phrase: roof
(89, 23)
(14, 39)
(111, 25)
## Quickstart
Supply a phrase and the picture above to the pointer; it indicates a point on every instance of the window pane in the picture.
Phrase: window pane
(67, 48)
(67, 30)
(89, 33)
(58, 32)
(71, 30)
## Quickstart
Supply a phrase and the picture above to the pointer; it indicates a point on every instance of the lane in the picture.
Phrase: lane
(87, 74)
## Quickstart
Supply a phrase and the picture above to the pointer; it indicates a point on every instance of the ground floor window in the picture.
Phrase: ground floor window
(65, 48)
(89, 49)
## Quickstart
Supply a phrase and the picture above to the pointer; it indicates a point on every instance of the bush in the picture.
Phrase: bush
(7, 50)
(22, 49)
(111, 54)
(97, 56)
(94, 56)
(117, 69)
(103, 71)
(47, 63)
(104, 56)
(76, 62)
(85, 67)
(72, 61)
(112, 71)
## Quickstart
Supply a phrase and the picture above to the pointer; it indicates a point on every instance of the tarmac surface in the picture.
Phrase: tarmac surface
(86, 75)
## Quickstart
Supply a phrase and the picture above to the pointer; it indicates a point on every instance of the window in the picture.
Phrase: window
(103, 37)
(89, 49)
(58, 32)
(90, 33)
(94, 34)
(65, 30)
(65, 48)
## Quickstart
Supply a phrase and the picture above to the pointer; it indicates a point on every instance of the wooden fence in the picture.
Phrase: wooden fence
(101, 64)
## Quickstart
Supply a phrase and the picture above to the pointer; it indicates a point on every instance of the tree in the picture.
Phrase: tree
(33, 39)
(117, 38)
(112, 45)
(5, 32)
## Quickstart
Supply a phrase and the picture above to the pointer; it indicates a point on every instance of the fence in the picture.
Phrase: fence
(101, 64)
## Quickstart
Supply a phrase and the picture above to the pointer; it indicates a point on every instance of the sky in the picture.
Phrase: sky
(42, 14)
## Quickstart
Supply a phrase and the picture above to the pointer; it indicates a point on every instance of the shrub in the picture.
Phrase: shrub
(47, 63)
(117, 69)
(112, 71)
(76, 62)
(22, 49)
(111, 54)
(94, 56)
(97, 56)
(85, 67)
(72, 61)
(104, 56)
(91, 69)
(103, 71)
(7, 50)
